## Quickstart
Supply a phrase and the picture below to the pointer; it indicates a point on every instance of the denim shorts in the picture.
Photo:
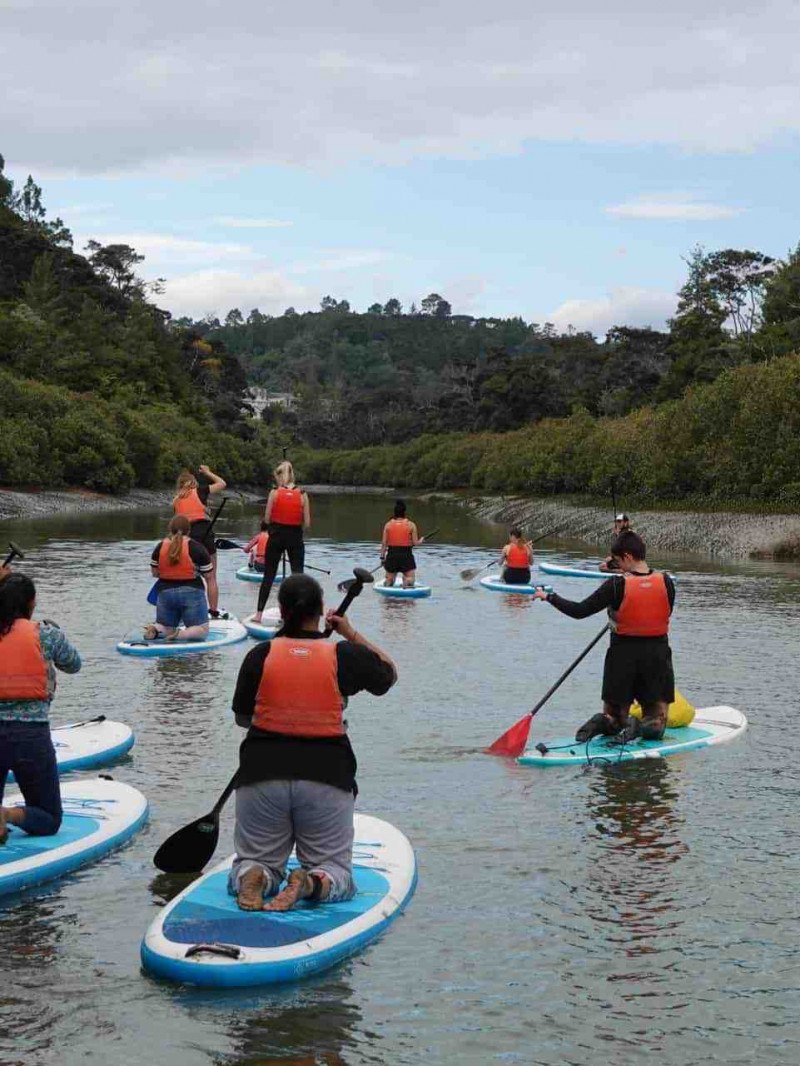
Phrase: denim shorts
(182, 604)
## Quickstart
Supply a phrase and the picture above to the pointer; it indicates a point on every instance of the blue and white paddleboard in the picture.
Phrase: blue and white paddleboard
(244, 573)
(574, 571)
(84, 745)
(267, 627)
(221, 631)
(496, 584)
(711, 725)
(202, 938)
(415, 592)
(99, 816)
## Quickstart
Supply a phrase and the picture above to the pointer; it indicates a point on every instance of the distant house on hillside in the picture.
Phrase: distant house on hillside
(260, 398)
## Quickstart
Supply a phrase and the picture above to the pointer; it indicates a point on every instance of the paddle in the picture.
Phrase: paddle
(77, 725)
(152, 595)
(512, 743)
(468, 575)
(15, 553)
(227, 545)
(343, 586)
(189, 849)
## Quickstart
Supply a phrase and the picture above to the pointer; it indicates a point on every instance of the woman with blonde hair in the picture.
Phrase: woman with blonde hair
(191, 501)
(287, 513)
(177, 561)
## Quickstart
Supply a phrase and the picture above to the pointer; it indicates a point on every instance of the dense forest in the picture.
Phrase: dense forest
(97, 386)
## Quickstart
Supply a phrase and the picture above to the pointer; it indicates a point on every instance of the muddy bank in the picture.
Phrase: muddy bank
(70, 501)
(724, 534)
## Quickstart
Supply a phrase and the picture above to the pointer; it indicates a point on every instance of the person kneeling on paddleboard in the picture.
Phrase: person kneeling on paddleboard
(177, 562)
(622, 524)
(296, 782)
(517, 559)
(257, 546)
(399, 537)
(30, 652)
(638, 664)
(191, 502)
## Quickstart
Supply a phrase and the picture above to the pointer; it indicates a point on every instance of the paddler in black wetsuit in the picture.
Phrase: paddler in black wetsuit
(622, 524)
(638, 664)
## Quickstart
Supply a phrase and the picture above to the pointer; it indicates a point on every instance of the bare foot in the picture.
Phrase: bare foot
(251, 889)
(256, 618)
(150, 632)
(299, 886)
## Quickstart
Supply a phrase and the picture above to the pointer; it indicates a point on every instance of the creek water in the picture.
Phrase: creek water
(563, 916)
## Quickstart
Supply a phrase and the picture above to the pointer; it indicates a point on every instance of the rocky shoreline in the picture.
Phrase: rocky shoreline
(21, 505)
(721, 534)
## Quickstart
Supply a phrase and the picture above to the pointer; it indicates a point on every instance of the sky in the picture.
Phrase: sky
(557, 162)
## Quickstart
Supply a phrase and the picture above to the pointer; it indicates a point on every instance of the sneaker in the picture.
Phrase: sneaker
(598, 725)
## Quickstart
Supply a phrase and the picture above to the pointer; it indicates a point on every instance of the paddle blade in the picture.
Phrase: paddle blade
(467, 575)
(188, 850)
(514, 741)
(152, 595)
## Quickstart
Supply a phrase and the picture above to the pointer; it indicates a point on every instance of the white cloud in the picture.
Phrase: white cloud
(672, 209)
(337, 260)
(217, 291)
(625, 305)
(317, 83)
(250, 223)
(163, 248)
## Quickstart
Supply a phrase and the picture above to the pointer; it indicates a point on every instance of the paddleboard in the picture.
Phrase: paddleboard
(496, 584)
(267, 627)
(711, 725)
(99, 816)
(221, 631)
(244, 573)
(202, 938)
(415, 592)
(81, 746)
(574, 571)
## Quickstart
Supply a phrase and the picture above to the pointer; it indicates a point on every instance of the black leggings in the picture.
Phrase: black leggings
(282, 539)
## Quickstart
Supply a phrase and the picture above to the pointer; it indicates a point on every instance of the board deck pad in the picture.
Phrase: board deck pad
(221, 632)
(711, 725)
(270, 947)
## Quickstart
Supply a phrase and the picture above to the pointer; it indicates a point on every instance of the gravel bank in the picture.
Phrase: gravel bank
(724, 534)
(71, 501)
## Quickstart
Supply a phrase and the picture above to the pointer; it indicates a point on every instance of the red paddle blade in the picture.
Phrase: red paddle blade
(513, 742)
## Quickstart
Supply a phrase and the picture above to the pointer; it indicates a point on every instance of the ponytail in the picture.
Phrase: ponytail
(17, 593)
(300, 600)
(186, 483)
(178, 529)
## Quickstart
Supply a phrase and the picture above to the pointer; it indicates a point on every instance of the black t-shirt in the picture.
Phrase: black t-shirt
(265, 756)
(201, 560)
(607, 597)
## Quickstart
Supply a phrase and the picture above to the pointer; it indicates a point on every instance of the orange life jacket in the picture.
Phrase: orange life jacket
(287, 507)
(23, 670)
(518, 557)
(644, 611)
(183, 570)
(398, 533)
(298, 694)
(191, 506)
(260, 547)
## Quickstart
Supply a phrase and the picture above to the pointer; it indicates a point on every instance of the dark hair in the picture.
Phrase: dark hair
(17, 593)
(515, 532)
(300, 600)
(399, 508)
(629, 543)
(264, 527)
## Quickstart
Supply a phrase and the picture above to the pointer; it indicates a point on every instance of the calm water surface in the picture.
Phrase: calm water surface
(561, 917)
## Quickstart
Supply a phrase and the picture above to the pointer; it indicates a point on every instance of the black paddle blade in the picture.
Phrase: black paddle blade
(224, 545)
(363, 576)
(188, 850)
(15, 553)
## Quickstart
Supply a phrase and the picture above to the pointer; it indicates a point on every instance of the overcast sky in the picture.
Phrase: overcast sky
(553, 161)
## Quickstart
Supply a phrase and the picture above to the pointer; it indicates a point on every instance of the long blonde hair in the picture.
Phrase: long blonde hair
(178, 529)
(283, 474)
(187, 482)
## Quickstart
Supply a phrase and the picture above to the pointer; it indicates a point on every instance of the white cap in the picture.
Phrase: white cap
(622, 518)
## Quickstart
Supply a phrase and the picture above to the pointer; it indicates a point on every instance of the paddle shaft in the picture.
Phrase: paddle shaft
(569, 670)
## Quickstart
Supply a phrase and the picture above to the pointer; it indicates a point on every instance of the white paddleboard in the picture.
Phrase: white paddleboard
(99, 816)
(711, 725)
(415, 592)
(244, 573)
(221, 632)
(496, 584)
(268, 626)
(202, 938)
(84, 745)
(574, 571)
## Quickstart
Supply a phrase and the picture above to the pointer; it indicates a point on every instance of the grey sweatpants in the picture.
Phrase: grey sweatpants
(272, 817)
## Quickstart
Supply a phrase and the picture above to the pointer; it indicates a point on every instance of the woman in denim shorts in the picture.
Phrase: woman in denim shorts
(177, 562)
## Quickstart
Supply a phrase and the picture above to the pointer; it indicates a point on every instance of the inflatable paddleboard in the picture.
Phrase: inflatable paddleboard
(711, 725)
(496, 584)
(415, 592)
(267, 627)
(221, 631)
(244, 573)
(202, 938)
(84, 745)
(99, 816)
(574, 571)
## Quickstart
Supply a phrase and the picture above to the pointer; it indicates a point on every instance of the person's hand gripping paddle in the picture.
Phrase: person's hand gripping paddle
(189, 849)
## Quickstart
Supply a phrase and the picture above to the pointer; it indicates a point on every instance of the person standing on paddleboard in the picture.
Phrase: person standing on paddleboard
(399, 537)
(191, 501)
(517, 558)
(296, 782)
(177, 562)
(287, 513)
(30, 653)
(622, 524)
(638, 664)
